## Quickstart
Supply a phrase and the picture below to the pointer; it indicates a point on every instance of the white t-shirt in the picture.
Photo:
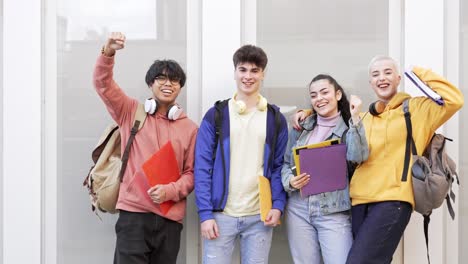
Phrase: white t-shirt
(247, 142)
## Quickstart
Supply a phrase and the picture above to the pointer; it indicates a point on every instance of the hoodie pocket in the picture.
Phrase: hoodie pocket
(136, 191)
(372, 179)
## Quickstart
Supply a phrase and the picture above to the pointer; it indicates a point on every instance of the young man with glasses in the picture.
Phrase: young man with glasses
(228, 167)
(145, 233)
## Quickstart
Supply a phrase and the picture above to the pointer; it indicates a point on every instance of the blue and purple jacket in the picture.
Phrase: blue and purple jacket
(212, 178)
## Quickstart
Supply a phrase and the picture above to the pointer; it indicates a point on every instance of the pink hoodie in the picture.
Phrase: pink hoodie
(156, 132)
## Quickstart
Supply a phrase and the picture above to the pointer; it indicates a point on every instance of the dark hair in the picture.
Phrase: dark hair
(165, 67)
(251, 54)
(343, 103)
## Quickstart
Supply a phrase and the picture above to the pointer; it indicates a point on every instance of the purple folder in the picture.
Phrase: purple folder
(326, 167)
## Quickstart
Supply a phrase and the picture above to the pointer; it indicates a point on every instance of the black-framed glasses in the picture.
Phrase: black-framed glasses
(162, 79)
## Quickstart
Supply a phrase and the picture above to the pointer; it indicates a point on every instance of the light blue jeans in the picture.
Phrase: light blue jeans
(254, 236)
(314, 237)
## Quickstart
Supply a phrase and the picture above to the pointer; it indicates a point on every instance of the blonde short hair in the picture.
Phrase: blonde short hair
(381, 58)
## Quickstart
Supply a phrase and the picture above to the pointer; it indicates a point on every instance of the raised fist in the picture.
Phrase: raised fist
(116, 41)
(355, 105)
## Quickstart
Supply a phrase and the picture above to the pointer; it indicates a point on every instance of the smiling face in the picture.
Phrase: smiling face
(165, 91)
(384, 79)
(324, 98)
(165, 78)
(248, 78)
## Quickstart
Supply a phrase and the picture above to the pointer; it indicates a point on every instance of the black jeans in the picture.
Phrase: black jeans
(146, 238)
(377, 230)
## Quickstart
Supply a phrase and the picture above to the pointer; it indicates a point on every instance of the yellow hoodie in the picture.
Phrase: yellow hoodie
(379, 178)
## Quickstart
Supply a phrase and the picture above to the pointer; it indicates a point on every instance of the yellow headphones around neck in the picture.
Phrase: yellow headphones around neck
(240, 106)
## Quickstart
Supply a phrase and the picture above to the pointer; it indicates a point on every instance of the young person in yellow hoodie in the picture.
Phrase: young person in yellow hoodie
(382, 198)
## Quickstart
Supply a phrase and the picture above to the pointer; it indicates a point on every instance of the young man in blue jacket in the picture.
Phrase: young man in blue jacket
(251, 142)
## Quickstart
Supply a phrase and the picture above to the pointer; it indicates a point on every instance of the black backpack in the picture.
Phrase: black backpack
(218, 118)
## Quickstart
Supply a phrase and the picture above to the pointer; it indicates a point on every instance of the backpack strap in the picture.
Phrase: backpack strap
(410, 146)
(450, 194)
(140, 115)
(350, 166)
(343, 136)
(275, 135)
(218, 118)
(140, 118)
(427, 219)
(449, 205)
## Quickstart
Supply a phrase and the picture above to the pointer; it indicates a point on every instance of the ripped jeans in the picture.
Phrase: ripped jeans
(315, 237)
(253, 235)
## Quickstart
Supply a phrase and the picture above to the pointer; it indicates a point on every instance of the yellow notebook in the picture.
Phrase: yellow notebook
(315, 145)
(264, 190)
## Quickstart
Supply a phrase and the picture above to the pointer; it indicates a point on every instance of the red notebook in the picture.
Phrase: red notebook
(162, 168)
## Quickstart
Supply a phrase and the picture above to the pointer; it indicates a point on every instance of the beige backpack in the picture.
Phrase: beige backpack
(104, 177)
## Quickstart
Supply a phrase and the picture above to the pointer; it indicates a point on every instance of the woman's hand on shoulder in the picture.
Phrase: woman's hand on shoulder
(298, 117)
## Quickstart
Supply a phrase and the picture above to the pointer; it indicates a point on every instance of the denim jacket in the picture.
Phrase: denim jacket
(357, 152)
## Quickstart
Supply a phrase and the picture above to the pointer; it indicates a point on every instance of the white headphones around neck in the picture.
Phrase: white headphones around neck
(240, 106)
(151, 106)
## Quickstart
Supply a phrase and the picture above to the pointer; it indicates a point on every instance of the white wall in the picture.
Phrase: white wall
(194, 93)
(426, 44)
(50, 124)
(215, 29)
(221, 37)
(1, 132)
(453, 246)
(22, 131)
(462, 228)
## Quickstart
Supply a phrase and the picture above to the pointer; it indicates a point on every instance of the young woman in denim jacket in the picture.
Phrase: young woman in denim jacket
(319, 226)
